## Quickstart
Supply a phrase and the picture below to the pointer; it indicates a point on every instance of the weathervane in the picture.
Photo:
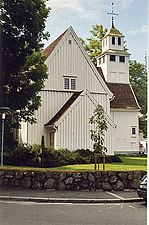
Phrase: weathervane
(113, 14)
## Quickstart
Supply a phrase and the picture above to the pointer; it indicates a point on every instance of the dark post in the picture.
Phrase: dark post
(42, 150)
(1, 92)
(104, 160)
(95, 161)
(1, 65)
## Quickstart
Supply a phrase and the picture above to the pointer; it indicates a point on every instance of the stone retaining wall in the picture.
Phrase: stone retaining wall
(71, 180)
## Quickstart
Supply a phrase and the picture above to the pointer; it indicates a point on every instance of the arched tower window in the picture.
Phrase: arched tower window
(113, 40)
(119, 41)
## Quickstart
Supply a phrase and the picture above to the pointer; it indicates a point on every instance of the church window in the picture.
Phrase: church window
(103, 59)
(112, 58)
(99, 61)
(133, 131)
(69, 41)
(119, 41)
(51, 144)
(66, 83)
(122, 58)
(69, 83)
(113, 40)
(73, 84)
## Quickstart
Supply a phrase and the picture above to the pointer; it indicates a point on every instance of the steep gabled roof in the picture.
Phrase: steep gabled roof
(64, 108)
(52, 47)
(124, 97)
(113, 32)
(47, 51)
(100, 73)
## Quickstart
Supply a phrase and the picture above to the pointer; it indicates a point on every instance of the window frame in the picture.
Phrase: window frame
(133, 131)
(113, 40)
(66, 84)
(51, 139)
(114, 57)
(103, 59)
(119, 41)
(120, 57)
(71, 83)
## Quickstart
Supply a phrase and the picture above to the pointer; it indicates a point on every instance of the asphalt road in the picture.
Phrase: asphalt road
(25, 213)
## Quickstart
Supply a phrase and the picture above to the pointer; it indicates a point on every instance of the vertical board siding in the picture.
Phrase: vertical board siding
(77, 127)
(74, 130)
(69, 60)
(52, 101)
(125, 120)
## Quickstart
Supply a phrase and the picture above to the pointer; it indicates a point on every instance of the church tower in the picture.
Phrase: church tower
(114, 59)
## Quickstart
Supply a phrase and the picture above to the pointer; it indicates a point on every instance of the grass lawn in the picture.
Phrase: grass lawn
(128, 164)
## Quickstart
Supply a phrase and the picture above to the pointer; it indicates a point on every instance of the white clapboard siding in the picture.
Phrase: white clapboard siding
(69, 60)
(52, 101)
(125, 120)
(73, 128)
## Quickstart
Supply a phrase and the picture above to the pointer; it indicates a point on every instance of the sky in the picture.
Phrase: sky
(83, 14)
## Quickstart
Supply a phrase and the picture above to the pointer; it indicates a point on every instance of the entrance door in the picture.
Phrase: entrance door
(51, 139)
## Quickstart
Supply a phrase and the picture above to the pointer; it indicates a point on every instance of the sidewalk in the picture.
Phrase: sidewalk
(52, 196)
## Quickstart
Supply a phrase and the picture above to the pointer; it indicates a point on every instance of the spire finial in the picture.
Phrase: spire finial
(113, 14)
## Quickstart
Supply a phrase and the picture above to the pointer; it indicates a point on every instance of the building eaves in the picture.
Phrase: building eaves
(113, 51)
(101, 73)
(47, 51)
(64, 108)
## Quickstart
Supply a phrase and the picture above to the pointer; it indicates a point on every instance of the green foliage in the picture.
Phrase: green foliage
(93, 45)
(22, 155)
(54, 157)
(61, 157)
(85, 154)
(127, 164)
(98, 131)
(23, 69)
(138, 80)
(29, 155)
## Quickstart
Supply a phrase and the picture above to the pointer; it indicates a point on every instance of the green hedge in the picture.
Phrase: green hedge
(29, 155)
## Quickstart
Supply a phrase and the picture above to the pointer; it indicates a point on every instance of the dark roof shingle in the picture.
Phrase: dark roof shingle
(64, 108)
(47, 51)
(123, 96)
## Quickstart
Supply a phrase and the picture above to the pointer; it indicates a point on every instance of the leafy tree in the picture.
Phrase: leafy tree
(138, 80)
(23, 69)
(22, 64)
(94, 47)
(99, 123)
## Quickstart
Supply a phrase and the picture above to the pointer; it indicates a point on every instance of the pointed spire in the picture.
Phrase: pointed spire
(113, 14)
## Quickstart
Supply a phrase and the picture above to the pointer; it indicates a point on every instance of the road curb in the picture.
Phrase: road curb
(68, 200)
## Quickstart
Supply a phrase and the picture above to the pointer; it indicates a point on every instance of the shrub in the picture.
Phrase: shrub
(86, 155)
(29, 155)
(24, 155)
(110, 159)
(52, 157)
(60, 157)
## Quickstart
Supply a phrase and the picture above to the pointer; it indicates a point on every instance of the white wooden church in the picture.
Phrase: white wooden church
(73, 89)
